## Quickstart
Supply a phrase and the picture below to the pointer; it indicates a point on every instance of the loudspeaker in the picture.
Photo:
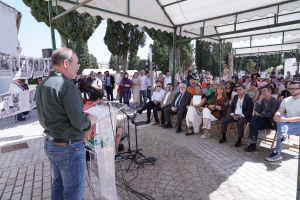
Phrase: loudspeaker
(47, 53)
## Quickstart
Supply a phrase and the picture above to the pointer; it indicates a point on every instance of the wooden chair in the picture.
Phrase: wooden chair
(153, 116)
(235, 130)
(295, 145)
(183, 121)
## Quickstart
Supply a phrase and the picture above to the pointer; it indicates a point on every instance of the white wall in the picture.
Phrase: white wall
(8, 37)
(288, 65)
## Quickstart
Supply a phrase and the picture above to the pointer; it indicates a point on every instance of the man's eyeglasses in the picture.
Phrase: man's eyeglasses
(158, 86)
(78, 65)
(293, 89)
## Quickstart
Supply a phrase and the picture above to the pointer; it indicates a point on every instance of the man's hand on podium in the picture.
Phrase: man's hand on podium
(92, 118)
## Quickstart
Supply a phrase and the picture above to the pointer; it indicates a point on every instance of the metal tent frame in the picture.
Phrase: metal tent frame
(219, 35)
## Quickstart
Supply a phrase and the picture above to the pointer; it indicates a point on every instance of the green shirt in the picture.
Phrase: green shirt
(209, 98)
(60, 108)
(188, 80)
(292, 106)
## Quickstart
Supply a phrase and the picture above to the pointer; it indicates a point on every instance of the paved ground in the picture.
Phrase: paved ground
(187, 167)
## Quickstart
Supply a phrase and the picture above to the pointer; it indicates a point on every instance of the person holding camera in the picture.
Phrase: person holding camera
(190, 75)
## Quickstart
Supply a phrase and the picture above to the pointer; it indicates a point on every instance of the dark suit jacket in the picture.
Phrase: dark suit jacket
(270, 110)
(185, 100)
(247, 107)
(112, 81)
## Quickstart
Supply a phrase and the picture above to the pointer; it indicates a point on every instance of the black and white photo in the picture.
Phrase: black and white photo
(46, 67)
(15, 64)
(35, 68)
(23, 67)
(16, 102)
(6, 109)
(6, 65)
(41, 67)
(32, 98)
(30, 67)
(50, 65)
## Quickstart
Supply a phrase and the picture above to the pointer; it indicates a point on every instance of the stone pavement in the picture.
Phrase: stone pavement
(187, 167)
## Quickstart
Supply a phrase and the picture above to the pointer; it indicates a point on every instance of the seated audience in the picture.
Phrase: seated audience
(289, 76)
(165, 103)
(285, 93)
(178, 106)
(194, 113)
(211, 93)
(157, 96)
(288, 124)
(216, 110)
(207, 88)
(228, 89)
(247, 83)
(176, 86)
(241, 110)
(263, 116)
(274, 90)
(253, 92)
(192, 87)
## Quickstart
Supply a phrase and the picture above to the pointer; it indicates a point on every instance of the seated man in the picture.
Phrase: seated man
(157, 96)
(263, 116)
(120, 136)
(288, 124)
(178, 106)
(241, 110)
(192, 87)
(165, 103)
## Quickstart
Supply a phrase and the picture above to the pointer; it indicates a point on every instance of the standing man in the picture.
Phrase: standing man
(143, 88)
(110, 86)
(168, 79)
(288, 124)
(202, 77)
(60, 113)
(158, 95)
(297, 75)
(241, 110)
(119, 96)
(190, 75)
(99, 76)
(235, 76)
(182, 77)
(225, 74)
(148, 84)
(178, 106)
(263, 116)
(96, 82)
(255, 75)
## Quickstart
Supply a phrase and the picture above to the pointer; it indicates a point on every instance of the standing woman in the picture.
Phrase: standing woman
(125, 89)
(216, 110)
(136, 89)
(194, 113)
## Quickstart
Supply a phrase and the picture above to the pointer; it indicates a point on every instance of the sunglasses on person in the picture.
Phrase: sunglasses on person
(293, 89)
(158, 86)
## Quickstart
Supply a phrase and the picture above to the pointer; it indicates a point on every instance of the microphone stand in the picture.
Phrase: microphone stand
(128, 119)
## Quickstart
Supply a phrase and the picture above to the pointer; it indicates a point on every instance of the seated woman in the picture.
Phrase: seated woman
(274, 90)
(285, 93)
(216, 110)
(194, 113)
(253, 92)
(228, 89)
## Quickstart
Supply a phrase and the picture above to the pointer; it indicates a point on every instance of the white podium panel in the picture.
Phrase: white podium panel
(102, 163)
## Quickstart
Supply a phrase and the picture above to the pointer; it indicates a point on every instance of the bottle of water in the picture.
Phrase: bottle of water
(97, 142)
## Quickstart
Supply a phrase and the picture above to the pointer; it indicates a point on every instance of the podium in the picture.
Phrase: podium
(101, 166)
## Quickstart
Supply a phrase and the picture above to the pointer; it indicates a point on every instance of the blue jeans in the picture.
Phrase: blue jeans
(127, 96)
(20, 115)
(68, 165)
(120, 98)
(149, 94)
(284, 129)
(86, 92)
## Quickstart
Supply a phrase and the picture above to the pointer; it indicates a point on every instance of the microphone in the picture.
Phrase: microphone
(87, 85)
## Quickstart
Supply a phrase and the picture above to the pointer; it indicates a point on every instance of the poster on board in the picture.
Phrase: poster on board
(24, 101)
(6, 65)
(35, 67)
(15, 65)
(32, 98)
(41, 67)
(23, 67)
(5, 105)
(30, 67)
(46, 67)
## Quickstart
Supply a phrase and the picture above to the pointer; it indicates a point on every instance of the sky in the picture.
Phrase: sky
(35, 36)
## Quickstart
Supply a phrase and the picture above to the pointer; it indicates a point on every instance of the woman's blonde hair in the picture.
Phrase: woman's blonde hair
(220, 86)
(200, 88)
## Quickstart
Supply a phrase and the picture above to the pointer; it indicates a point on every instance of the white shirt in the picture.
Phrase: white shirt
(239, 105)
(158, 95)
(167, 80)
(143, 82)
(120, 79)
(97, 83)
(291, 106)
(289, 76)
(15, 87)
(148, 81)
(181, 94)
(166, 98)
(279, 76)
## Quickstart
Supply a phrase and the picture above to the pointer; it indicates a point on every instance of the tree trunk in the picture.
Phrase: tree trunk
(124, 60)
(64, 42)
(171, 59)
(177, 62)
(230, 65)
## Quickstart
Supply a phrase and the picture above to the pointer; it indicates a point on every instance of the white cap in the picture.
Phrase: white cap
(121, 71)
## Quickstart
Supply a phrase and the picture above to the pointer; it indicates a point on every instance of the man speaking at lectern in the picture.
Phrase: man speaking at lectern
(60, 112)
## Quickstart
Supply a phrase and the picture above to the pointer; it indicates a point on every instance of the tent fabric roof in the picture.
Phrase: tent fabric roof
(196, 18)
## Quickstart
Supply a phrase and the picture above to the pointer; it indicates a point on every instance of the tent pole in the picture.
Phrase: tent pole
(298, 63)
(220, 49)
(51, 25)
(173, 74)
(232, 64)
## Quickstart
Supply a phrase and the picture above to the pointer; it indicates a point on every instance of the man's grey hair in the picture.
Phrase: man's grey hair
(142, 71)
(182, 84)
(60, 55)
(159, 83)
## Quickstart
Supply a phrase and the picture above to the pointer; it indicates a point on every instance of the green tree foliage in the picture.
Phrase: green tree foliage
(160, 57)
(73, 26)
(250, 65)
(115, 62)
(187, 56)
(208, 56)
(94, 63)
(123, 39)
(138, 64)
(81, 49)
